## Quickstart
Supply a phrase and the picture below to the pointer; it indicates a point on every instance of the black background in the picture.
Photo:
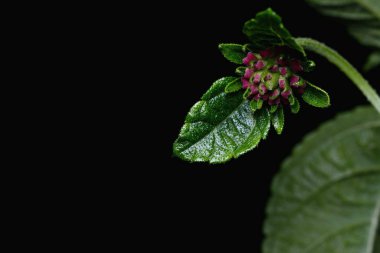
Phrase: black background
(222, 207)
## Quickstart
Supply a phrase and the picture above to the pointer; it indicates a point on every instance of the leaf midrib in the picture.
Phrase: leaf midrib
(311, 198)
(343, 177)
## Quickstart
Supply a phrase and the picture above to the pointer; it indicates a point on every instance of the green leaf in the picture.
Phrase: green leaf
(273, 108)
(278, 120)
(291, 99)
(263, 121)
(366, 35)
(251, 142)
(233, 86)
(253, 104)
(295, 107)
(316, 97)
(233, 52)
(326, 197)
(259, 104)
(266, 30)
(361, 16)
(218, 127)
(246, 93)
(373, 61)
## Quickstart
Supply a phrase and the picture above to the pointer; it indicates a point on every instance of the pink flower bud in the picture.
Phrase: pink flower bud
(245, 83)
(257, 97)
(286, 94)
(271, 76)
(274, 94)
(262, 89)
(254, 90)
(294, 80)
(257, 78)
(283, 71)
(250, 57)
(274, 68)
(248, 73)
(259, 65)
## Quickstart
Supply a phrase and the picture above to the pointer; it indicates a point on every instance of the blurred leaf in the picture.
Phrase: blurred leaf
(361, 16)
(326, 198)
(373, 61)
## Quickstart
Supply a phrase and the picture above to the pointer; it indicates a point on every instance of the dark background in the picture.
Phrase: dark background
(222, 207)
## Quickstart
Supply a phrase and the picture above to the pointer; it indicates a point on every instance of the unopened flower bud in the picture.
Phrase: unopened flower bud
(259, 65)
(286, 94)
(274, 94)
(248, 73)
(271, 77)
(249, 58)
(262, 89)
(283, 71)
(257, 78)
(245, 82)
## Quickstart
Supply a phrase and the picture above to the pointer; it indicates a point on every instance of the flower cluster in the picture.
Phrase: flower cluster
(271, 77)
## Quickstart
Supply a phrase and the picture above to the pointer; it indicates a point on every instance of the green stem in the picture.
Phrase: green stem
(335, 58)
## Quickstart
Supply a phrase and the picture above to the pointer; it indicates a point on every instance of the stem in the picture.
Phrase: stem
(335, 58)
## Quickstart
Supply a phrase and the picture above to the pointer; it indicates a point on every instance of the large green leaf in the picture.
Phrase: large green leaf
(326, 198)
(218, 127)
(361, 16)
(267, 30)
